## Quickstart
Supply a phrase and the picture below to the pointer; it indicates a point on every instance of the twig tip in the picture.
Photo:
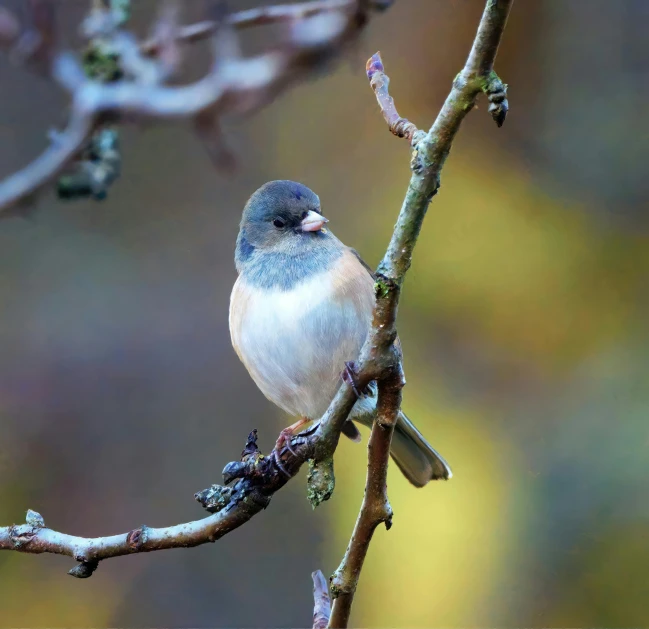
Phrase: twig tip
(374, 64)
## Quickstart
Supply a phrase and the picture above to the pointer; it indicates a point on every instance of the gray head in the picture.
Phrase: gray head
(282, 237)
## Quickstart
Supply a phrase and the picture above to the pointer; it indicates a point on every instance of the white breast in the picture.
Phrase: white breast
(295, 343)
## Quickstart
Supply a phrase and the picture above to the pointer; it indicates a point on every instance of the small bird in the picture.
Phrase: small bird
(301, 309)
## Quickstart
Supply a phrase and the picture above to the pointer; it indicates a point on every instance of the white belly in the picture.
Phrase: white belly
(295, 343)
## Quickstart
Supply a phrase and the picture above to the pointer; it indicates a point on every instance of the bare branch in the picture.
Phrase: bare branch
(379, 350)
(379, 81)
(257, 478)
(251, 17)
(375, 508)
(166, 35)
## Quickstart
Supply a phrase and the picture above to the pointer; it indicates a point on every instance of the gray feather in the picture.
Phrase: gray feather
(415, 457)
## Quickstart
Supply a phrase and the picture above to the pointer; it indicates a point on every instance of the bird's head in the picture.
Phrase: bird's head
(280, 215)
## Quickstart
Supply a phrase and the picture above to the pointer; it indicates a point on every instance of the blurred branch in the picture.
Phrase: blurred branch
(30, 44)
(233, 85)
(260, 16)
(257, 476)
(321, 601)
(98, 165)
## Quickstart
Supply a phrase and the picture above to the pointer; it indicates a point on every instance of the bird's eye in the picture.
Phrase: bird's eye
(279, 223)
(304, 215)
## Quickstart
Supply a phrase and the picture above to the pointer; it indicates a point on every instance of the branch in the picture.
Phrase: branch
(259, 16)
(257, 478)
(234, 85)
(430, 152)
(379, 82)
(375, 508)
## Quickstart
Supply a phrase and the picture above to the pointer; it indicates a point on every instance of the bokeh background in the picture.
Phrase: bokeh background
(523, 321)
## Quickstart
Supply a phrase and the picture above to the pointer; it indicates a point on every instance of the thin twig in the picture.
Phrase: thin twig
(379, 81)
(433, 149)
(259, 16)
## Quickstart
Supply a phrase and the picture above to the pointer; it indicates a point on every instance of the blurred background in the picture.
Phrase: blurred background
(523, 322)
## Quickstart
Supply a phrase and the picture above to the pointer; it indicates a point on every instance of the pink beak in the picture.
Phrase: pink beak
(313, 222)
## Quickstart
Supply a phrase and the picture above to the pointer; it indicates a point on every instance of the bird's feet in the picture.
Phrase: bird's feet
(284, 441)
(350, 376)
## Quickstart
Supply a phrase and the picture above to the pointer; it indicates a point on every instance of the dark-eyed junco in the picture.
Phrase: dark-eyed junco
(300, 309)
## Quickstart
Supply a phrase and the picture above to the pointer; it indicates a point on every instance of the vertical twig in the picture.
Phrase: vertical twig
(376, 505)
(380, 359)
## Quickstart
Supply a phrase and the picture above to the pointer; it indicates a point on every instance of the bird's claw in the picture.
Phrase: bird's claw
(277, 459)
(283, 441)
(350, 376)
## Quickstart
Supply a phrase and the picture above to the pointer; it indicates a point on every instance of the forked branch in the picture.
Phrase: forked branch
(430, 152)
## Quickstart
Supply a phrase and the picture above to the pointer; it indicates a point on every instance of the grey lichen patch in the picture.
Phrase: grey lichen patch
(320, 481)
(101, 65)
(99, 167)
(215, 498)
(334, 590)
(464, 100)
(381, 288)
(339, 585)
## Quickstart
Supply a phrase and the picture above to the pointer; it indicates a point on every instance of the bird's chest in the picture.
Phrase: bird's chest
(274, 324)
(294, 343)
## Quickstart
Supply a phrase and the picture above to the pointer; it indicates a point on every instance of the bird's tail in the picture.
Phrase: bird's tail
(414, 456)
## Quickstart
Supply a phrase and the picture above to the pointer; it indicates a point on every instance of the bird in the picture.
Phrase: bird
(301, 309)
